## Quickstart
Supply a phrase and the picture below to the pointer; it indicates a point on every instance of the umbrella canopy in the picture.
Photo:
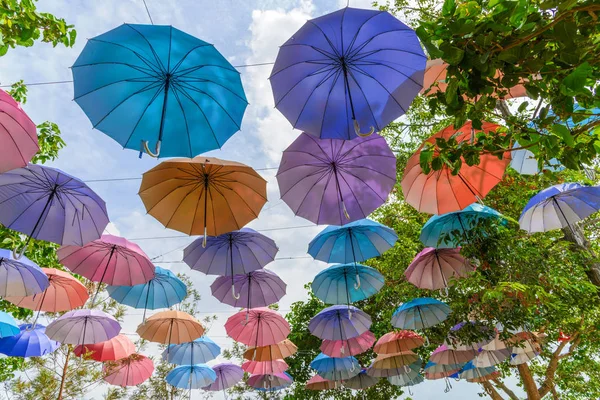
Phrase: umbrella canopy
(420, 313)
(18, 135)
(348, 69)
(470, 371)
(155, 84)
(228, 375)
(395, 342)
(257, 327)
(258, 288)
(349, 347)
(405, 380)
(354, 242)
(434, 268)
(265, 367)
(46, 204)
(489, 358)
(280, 350)
(435, 371)
(64, 293)
(335, 369)
(114, 349)
(201, 350)
(439, 230)
(478, 335)
(347, 283)
(169, 327)
(408, 371)
(31, 341)
(395, 360)
(319, 383)
(339, 323)
(484, 378)
(83, 327)
(129, 371)
(525, 348)
(559, 206)
(361, 381)
(328, 181)
(191, 376)
(20, 277)
(447, 356)
(221, 195)
(440, 192)
(270, 382)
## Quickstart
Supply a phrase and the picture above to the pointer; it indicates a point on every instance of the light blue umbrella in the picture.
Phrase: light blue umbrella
(335, 369)
(20, 277)
(347, 283)
(200, 350)
(420, 313)
(28, 342)
(156, 86)
(438, 230)
(191, 376)
(8, 325)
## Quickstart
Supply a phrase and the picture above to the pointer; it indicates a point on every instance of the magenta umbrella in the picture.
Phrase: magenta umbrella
(83, 327)
(257, 327)
(433, 268)
(329, 181)
(18, 135)
(255, 289)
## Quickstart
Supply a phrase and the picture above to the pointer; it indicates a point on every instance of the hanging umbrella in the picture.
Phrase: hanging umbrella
(478, 335)
(347, 283)
(46, 204)
(156, 85)
(168, 327)
(339, 323)
(18, 136)
(329, 181)
(270, 382)
(440, 192)
(420, 313)
(470, 371)
(361, 381)
(258, 288)
(348, 347)
(489, 358)
(354, 242)
(20, 278)
(405, 380)
(201, 350)
(439, 231)
(280, 350)
(348, 69)
(191, 376)
(447, 356)
(265, 367)
(129, 371)
(524, 348)
(31, 341)
(395, 360)
(221, 195)
(484, 378)
(434, 268)
(319, 383)
(228, 375)
(114, 349)
(335, 369)
(559, 206)
(435, 371)
(162, 291)
(257, 327)
(408, 370)
(83, 327)
(395, 342)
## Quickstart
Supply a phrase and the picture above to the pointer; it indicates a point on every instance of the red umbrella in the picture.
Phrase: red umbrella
(396, 342)
(114, 349)
(349, 347)
(18, 135)
(433, 268)
(257, 327)
(265, 367)
(440, 192)
(130, 371)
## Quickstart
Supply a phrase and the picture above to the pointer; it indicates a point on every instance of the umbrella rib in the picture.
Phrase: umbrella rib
(155, 68)
(326, 62)
(350, 70)
(189, 81)
(335, 52)
(357, 32)
(187, 128)
(13, 139)
(327, 70)
(156, 58)
(148, 71)
(182, 73)
(358, 49)
(143, 113)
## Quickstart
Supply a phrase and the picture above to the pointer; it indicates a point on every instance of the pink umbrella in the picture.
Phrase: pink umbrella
(130, 371)
(111, 350)
(257, 327)
(350, 347)
(265, 367)
(18, 135)
(433, 268)
(447, 356)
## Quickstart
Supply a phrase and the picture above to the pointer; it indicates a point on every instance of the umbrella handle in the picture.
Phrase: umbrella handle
(349, 314)
(444, 291)
(270, 377)
(204, 238)
(235, 296)
(357, 284)
(18, 254)
(265, 385)
(406, 369)
(357, 130)
(353, 367)
(342, 351)
(345, 210)
(426, 341)
(149, 152)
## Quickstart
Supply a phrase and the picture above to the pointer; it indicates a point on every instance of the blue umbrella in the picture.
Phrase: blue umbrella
(438, 230)
(162, 291)
(151, 84)
(28, 342)
(420, 313)
(339, 323)
(470, 371)
(559, 206)
(8, 325)
(335, 369)
(354, 242)
(191, 376)
(20, 277)
(200, 350)
(336, 284)
(348, 69)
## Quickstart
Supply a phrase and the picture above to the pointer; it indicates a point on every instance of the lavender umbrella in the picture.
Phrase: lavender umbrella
(349, 68)
(20, 278)
(336, 181)
(83, 327)
(227, 376)
(339, 323)
(259, 288)
(47, 204)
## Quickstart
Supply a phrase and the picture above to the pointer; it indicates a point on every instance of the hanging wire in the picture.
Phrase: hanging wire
(148, 11)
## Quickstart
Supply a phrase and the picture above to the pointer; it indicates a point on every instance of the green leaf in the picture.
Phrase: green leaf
(452, 92)
(575, 82)
(511, 56)
(563, 132)
(452, 54)
(449, 7)
(597, 146)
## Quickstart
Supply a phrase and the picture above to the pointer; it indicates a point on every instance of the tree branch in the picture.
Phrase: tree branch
(528, 382)
(505, 389)
(491, 391)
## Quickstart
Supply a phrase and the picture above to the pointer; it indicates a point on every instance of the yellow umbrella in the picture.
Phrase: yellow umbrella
(203, 195)
(171, 327)
(275, 351)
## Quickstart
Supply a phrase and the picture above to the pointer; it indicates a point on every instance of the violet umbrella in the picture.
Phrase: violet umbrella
(434, 268)
(257, 327)
(83, 327)
(259, 288)
(30, 342)
(334, 182)
(339, 323)
(46, 204)
(228, 375)
(18, 135)
(20, 278)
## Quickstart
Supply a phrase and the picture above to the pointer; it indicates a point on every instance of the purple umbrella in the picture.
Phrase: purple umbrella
(339, 323)
(348, 69)
(83, 327)
(259, 288)
(47, 204)
(20, 278)
(227, 376)
(334, 182)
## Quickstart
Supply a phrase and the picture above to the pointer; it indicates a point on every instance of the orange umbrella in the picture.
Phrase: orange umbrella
(440, 192)
(394, 360)
(114, 349)
(171, 327)
(396, 342)
(275, 351)
(319, 383)
(203, 195)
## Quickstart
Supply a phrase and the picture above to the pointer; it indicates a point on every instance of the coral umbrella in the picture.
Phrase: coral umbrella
(339, 323)
(31, 341)
(395, 360)
(18, 135)
(440, 192)
(347, 283)
(114, 349)
(334, 182)
(361, 381)
(270, 382)
(265, 367)
(348, 69)
(228, 375)
(410, 370)
(280, 350)
(203, 196)
(83, 327)
(348, 347)
(420, 313)
(200, 350)
(191, 376)
(434, 268)
(395, 342)
(319, 383)
(170, 327)
(130, 371)
(20, 277)
(258, 288)
(447, 356)
(257, 327)
(335, 369)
